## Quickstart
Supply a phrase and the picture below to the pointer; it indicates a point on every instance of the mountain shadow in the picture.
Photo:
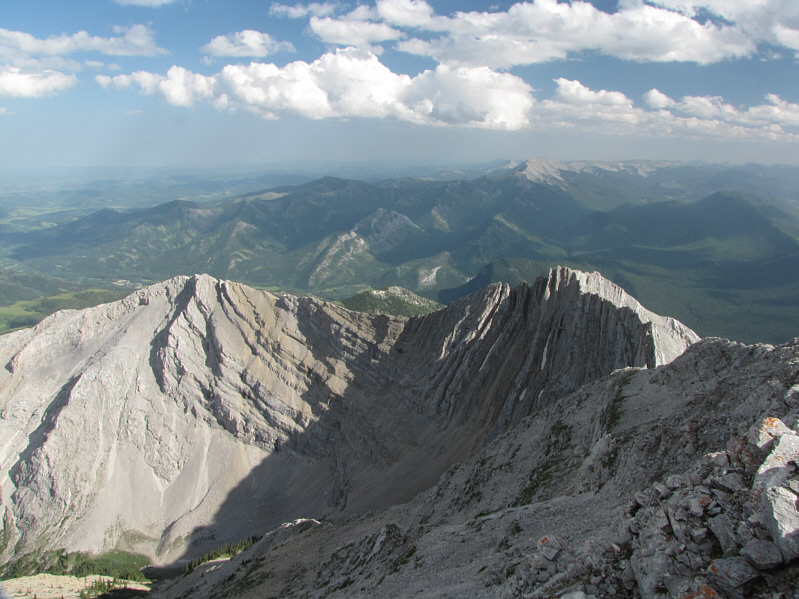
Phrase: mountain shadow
(393, 403)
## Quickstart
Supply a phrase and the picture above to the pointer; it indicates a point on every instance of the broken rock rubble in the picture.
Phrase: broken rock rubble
(712, 532)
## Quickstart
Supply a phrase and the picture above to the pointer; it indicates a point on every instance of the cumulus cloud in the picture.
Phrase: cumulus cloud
(179, 87)
(575, 105)
(470, 85)
(406, 13)
(137, 40)
(776, 111)
(16, 83)
(657, 99)
(786, 36)
(37, 67)
(473, 96)
(246, 43)
(348, 83)
(574, 92)
(353, 83)
(771, 21)
(352, 32)
(299, 11)
(716, 110)
(545, 30)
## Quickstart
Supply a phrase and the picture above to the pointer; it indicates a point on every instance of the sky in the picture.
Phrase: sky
(205, 83)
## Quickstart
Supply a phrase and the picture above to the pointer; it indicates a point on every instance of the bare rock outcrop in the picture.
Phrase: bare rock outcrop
(200, 411)
(645, 483)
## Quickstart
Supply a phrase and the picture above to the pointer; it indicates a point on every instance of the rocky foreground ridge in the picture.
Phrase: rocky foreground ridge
(196, 411)
(548, 439)
(664, 483)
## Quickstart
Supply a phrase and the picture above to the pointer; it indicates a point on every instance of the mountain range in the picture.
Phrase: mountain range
(555, 439)
(713, 245)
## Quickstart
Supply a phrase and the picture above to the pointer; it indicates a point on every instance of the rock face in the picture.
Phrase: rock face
(654, 484)
(199, 411)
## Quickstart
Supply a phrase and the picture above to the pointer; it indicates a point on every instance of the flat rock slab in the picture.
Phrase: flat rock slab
(763, 555)
(731, 575)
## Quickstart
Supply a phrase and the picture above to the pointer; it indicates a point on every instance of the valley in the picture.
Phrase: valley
(715, 246)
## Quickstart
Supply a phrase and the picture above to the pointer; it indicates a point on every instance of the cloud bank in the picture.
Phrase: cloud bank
(547, 30)
(35, 67)
(353, 83)
(15, 83)
(348, 83)
(474, 53)
(246, 43)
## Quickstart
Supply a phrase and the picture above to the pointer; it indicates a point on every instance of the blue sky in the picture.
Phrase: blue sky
(217, 83)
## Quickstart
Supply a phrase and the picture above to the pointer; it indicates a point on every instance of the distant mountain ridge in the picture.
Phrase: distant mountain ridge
(650, 226)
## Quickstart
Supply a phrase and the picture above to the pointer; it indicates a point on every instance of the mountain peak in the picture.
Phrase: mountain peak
(199, 410)
(543, 170)
(670, 336)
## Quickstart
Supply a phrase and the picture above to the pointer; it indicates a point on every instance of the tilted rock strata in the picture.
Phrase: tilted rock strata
(197, 411)
(643, 484)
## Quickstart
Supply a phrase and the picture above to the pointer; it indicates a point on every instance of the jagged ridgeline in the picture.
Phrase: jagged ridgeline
(712, 245)
(414, 456)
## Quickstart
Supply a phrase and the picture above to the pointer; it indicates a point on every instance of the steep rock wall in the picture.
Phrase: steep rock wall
(198, 411)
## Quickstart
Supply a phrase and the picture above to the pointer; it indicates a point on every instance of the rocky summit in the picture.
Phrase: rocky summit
(554, 439)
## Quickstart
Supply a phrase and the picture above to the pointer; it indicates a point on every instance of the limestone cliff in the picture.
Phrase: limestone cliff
(674, 483)
(198, 411)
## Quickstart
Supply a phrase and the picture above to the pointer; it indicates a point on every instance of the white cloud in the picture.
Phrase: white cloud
(574, 92)
(37, 67)
(657, 99)
(352, 32)
(184, 88)
(707, 107)
(348, 83)
(16, 83)
(246, 43)
(770, 21)
(405, 13)
(299, 11)
(714, 109)
(179, 87)
(776, 111)
(137, 40)
(787, 36)
(473, 96)
(545, 30)
(538, 31)
(575, 107)
(353, 83)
